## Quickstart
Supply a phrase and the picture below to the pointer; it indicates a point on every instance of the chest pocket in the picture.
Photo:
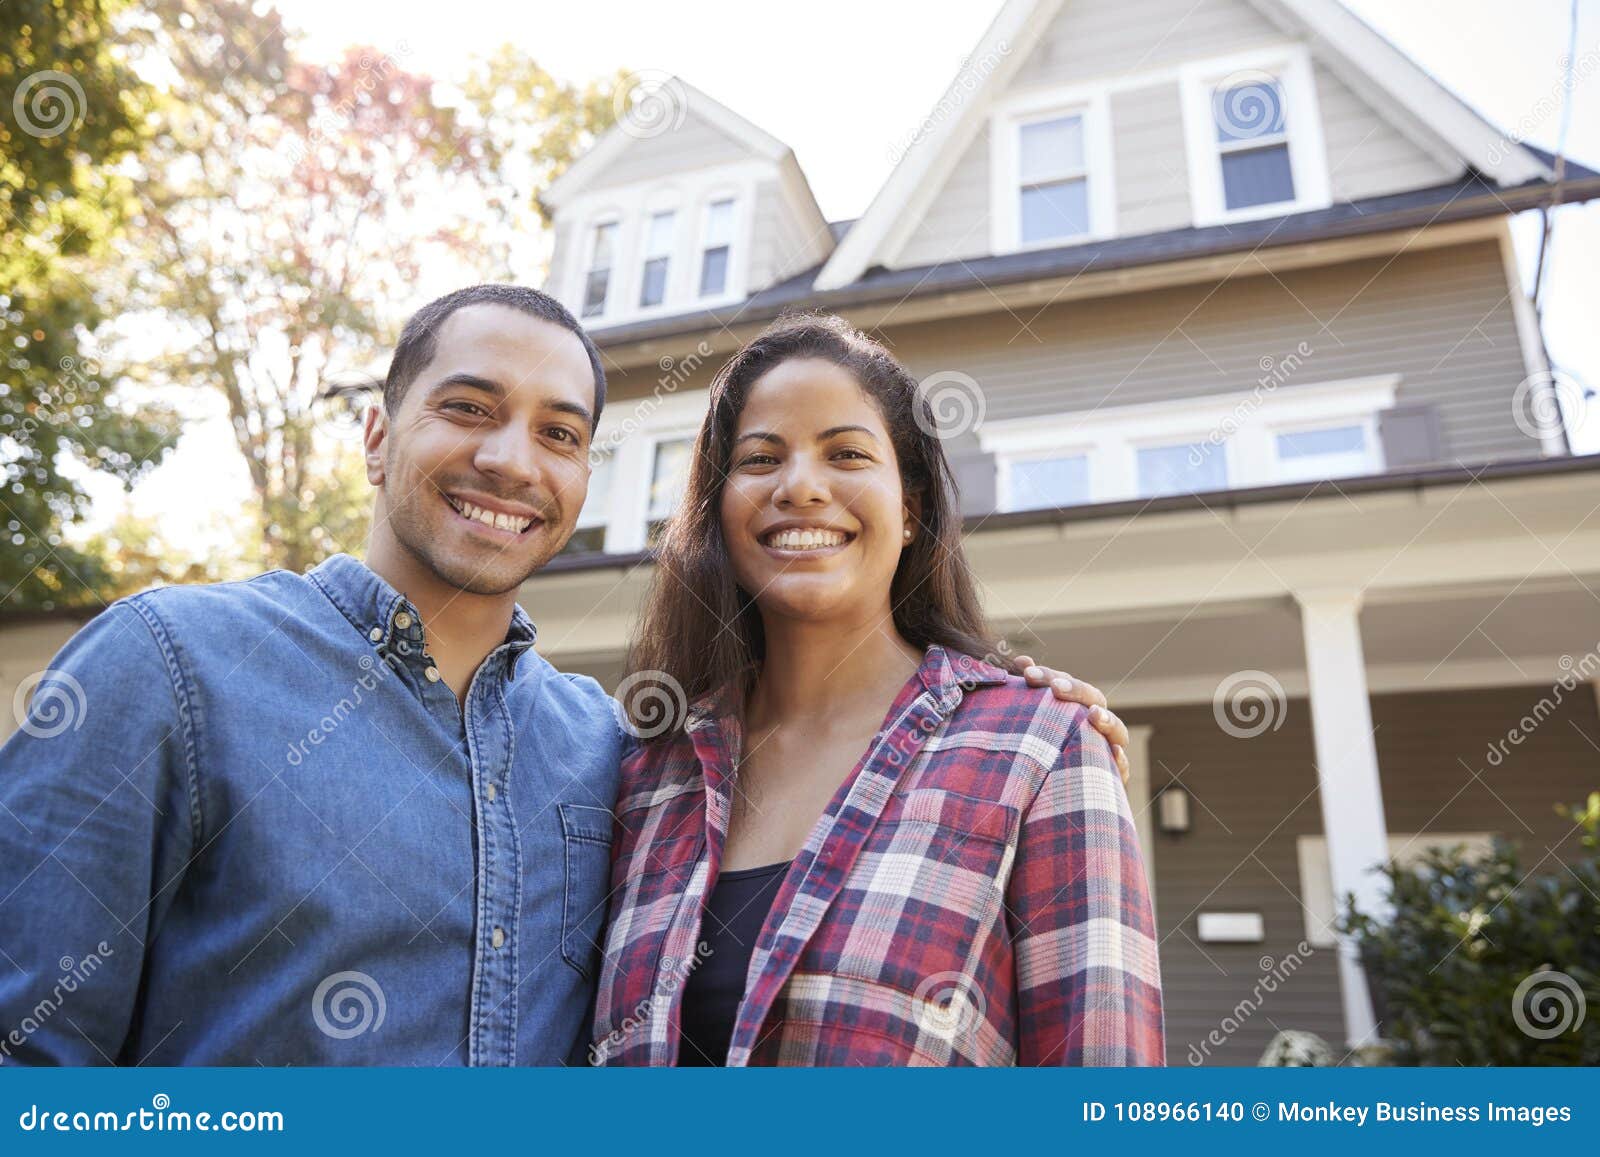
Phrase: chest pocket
(586, 834)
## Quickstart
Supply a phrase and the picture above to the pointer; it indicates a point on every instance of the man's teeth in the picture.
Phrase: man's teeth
(499, 521)
(805, 539)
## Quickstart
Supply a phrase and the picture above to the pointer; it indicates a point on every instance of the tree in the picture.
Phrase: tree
(71, 108)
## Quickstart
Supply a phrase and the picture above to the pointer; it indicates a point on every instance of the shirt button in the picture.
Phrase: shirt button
(402, 620)
(491, 793)
(376, 634)
(499, 938)
(432, 673)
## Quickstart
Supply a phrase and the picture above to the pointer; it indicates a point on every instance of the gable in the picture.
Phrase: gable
(693, 142)
(1364, 122)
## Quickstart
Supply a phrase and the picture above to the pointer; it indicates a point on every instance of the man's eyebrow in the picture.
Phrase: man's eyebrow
(471, 381)
(573, 408)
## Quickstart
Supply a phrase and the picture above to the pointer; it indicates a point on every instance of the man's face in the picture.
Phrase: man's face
(484, 464)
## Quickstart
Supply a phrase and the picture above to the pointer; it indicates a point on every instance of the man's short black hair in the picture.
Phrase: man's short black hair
(419, 338)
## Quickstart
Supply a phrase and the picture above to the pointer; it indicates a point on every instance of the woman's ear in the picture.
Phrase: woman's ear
(913, 516)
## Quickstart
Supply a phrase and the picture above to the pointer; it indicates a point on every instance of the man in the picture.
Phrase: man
(348, 817)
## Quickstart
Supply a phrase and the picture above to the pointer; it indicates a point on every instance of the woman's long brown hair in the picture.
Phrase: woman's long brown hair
(700, 630)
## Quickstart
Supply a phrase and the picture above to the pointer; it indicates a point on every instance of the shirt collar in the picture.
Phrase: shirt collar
(383, 615)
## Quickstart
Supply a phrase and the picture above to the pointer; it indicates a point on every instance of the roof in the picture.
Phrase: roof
(1416, 479)
(1465, 199)
(1421, 106)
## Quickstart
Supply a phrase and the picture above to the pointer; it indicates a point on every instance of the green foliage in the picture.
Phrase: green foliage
(71, 108)
(1455, 970)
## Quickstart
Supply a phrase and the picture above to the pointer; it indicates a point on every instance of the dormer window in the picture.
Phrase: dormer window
(657, 258)
(1253, 136)
(1051, 170)
(1253, 142)
(597, 282)
(1053, 197)
(715, 244)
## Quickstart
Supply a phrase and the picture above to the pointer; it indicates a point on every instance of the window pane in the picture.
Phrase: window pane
(1187, 468)
(1049, 482)
(605, 238)
(1248, 112)
(653, 285)
(714, 271)
(1058, 210)
(586, 540)
(594, 292)
(1309, 443)
(1257, 177)
(597, 503)
(668, 475)
(1051, 149)
(719, 224)
(658, 240)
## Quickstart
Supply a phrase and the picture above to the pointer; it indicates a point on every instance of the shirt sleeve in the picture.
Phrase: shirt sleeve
(96, 827)
(1088, 980)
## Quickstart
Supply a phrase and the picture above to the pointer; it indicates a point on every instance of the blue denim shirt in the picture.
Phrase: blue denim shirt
(247, 823)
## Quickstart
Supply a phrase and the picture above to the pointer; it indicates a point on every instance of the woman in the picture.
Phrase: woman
(865, 842)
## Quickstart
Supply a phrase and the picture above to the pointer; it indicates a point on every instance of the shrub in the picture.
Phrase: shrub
(1488, 962)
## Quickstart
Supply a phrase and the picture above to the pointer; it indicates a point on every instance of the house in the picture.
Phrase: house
(1253, 420)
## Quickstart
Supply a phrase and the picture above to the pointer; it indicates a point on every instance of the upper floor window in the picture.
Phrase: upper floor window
(1253, 142)
(657, 258)
(597, 282)
(1050, 169)
(1253, 136)
(1053, 195)
(715, 246)
(1190, 445)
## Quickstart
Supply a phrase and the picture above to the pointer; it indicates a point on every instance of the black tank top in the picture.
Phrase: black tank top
(734, 915)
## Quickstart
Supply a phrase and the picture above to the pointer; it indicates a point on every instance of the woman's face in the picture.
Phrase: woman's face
(813, 512)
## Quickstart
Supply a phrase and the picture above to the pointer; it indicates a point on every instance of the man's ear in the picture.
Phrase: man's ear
(373, 435)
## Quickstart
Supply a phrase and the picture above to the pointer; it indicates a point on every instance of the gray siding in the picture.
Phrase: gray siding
(1253, 797)
(1368, 156)
(1441, 318)
(694, 144)
(561, 257)
(1151, 167)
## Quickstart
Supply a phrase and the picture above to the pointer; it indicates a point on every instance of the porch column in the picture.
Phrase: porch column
(1139, 802)
(1347, 776)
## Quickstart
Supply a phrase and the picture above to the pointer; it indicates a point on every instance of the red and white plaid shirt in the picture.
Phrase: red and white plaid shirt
(974, 894)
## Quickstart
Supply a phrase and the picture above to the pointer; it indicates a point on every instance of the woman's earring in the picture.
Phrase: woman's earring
(908, 534)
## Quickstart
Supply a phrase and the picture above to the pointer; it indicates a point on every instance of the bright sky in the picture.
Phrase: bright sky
(844, 81)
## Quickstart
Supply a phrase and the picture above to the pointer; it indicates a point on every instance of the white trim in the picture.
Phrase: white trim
(1093, 105)
(1529, 336)
(633, 430)
(1317, 899)
(1242, 426)
(1290, 65)
(1139, 802)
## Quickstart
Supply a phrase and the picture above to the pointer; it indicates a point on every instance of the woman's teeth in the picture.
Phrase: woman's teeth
(805, 539)
(492, 518)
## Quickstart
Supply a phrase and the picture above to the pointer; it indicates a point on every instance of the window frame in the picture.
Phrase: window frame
(591, 244)
(702, 247)
(1290, 66)
(1006, 123)
(647, 255)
